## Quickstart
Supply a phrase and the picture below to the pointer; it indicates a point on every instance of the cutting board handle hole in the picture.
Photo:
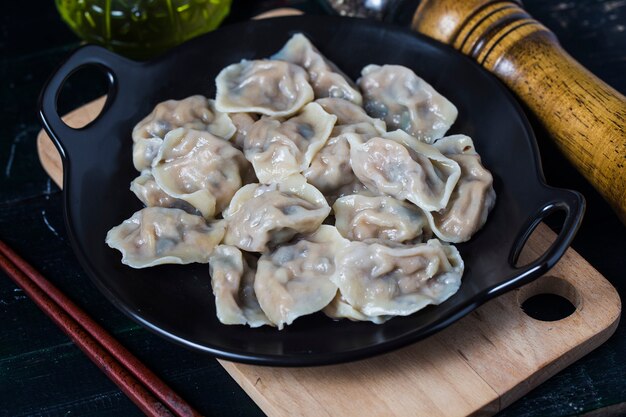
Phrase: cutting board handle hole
(84, 85)
(550, 298)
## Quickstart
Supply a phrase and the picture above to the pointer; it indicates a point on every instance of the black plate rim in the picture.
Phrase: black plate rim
(317, 359)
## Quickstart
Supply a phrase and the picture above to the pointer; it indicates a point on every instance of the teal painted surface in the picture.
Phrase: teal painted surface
(42, 373)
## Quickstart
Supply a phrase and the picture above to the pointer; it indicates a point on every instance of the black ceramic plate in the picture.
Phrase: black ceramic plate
(177, 302)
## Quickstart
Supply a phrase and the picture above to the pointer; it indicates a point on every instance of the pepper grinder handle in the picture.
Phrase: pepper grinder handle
(584, 116)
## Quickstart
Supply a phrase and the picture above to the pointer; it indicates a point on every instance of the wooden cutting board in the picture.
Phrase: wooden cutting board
(477, 366)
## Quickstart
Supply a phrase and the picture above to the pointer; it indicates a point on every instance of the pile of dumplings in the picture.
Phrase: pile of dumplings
(305, 192)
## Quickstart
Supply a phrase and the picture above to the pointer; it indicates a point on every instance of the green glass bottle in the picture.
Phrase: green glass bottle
(141, 29)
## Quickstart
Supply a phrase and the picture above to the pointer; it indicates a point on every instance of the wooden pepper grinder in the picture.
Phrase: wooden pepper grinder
(584, 115)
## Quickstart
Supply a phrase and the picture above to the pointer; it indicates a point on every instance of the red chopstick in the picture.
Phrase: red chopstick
(140, 384)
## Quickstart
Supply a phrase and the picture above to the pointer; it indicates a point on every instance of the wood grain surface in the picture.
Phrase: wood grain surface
(583, 115)
(477, 366)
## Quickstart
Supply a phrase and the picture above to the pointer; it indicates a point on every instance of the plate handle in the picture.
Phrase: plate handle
(558, 199)
(119, 72)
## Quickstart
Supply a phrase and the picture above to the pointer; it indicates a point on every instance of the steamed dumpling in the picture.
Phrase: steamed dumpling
(149, 193)
(361, 217)
(425, 179)
(349, 114)
(284, 138)
(262, 216)
(156, 235)
(353, 188)
(243, 122)
(472, 198)
(330, 169)
(272, 88)
(364, 129)
(327, 80)
(195, 112)
(199, 168)
(405, 101)
(380, 280)
(339, 308)
(278, 149)
(232, 280)
(293, 280)
(144, 152)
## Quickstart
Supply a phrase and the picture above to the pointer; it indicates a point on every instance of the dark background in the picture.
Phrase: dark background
(43, 373)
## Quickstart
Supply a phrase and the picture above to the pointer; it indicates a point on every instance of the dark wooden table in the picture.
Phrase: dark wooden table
(43, 373)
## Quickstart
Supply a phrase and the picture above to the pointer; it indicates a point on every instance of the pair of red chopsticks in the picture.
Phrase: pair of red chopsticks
(140, 384)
